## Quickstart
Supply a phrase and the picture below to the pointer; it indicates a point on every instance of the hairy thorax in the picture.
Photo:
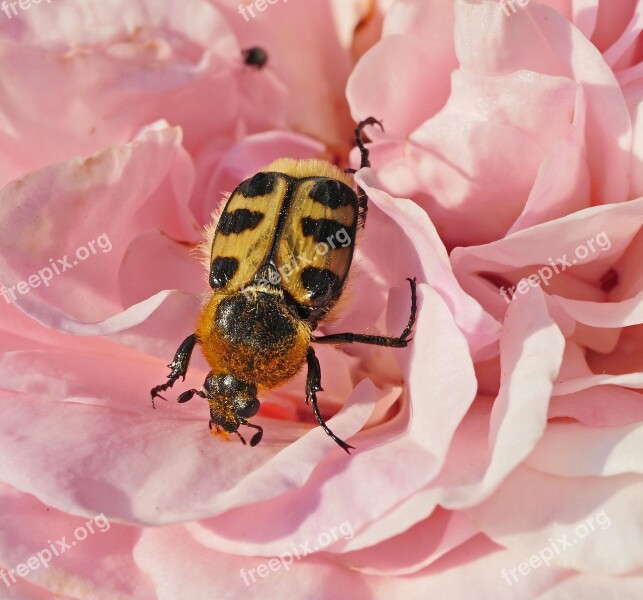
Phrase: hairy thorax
(253, 336)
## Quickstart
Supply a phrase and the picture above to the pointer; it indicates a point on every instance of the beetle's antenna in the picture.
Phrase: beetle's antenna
(256, 438)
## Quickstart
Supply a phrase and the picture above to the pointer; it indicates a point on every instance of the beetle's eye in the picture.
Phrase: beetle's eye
(249, 410)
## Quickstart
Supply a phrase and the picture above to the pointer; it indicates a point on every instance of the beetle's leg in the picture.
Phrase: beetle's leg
(313, 379)
(377, 340)
(362, 198)
(359, 142)
(313, 385)
(256, 438)
(178, 366)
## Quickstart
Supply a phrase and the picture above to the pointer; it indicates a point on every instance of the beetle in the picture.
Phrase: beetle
(255, 57)
(256, 328)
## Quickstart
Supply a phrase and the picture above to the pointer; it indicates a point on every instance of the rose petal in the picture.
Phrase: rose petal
(75, 556)
(106, 199)
(416, 548)
(539, 39)
(421, 448)
(151, 491)
(119, 66)
(590, 408)
(597, 452)
(432, 263)
(599, 519)
(531, 349)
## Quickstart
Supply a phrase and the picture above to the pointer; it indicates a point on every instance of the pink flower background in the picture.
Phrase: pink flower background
(510, 140)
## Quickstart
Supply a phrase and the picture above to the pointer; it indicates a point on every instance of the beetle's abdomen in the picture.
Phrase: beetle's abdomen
(254, 337)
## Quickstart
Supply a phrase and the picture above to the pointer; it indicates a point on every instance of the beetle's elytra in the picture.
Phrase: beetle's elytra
(279, 257)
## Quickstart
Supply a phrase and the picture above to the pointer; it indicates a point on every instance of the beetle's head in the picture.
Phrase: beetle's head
(232, 402)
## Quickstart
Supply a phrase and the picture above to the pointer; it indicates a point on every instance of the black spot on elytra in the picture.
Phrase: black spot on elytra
(238, 220)
(260, 184)
(322, 285)
(322, 230)
(222, 270)
(332, 193)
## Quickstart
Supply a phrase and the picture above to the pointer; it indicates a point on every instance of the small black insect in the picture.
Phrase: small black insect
(255, 57)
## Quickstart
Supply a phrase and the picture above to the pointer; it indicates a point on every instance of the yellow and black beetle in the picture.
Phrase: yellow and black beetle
(256, 329)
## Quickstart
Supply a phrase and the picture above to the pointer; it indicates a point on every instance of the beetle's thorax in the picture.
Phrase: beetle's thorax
(252, 335)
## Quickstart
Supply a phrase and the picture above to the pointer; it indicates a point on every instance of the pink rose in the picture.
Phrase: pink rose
(500, 452)
(498, 122)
